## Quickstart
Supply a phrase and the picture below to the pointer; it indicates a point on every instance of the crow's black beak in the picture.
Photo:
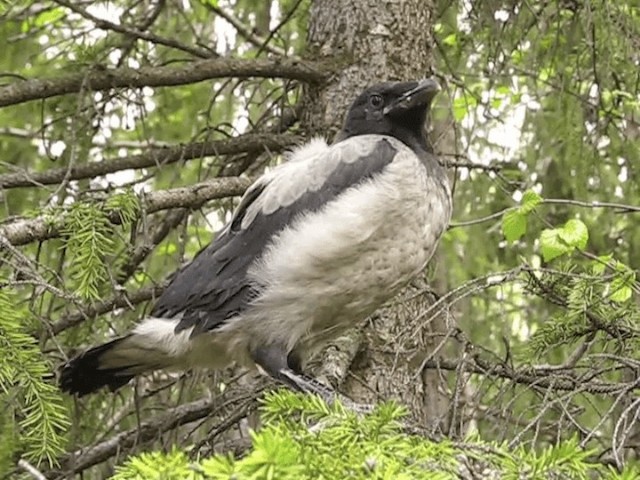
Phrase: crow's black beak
(419, 96)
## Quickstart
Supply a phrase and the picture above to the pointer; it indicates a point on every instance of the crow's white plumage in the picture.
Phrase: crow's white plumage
(315, 246)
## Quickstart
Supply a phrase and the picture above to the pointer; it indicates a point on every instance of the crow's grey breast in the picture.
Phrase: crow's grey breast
(214, 286)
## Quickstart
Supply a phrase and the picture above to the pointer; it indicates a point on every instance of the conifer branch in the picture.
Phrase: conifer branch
(21, 232)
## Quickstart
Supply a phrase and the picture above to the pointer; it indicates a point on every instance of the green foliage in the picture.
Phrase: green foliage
(555, 242)
(126, 206)
(514, 222)
(514, 225)
(621, 288)
(588, 305)
(44, 19)
(172, 465)
(36, 404)
(9, 442)
(89, 240)
(303, 438)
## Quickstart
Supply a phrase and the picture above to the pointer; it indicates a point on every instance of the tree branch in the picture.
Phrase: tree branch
(99, 78)
(149, 430)
(462, 161)
(532, 376)
(170, 221)
(155, 158)
(120, 300)
(37, 229)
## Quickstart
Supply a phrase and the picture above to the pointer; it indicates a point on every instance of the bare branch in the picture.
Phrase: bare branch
(100, 78)
(155, 158)
(621, 207)
(195, 195)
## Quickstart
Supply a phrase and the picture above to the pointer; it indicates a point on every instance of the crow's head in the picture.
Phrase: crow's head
(398, 109)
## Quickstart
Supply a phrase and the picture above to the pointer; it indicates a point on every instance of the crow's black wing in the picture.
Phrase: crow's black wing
(214, 286)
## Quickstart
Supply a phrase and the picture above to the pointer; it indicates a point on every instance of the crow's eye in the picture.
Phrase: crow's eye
(376, 101)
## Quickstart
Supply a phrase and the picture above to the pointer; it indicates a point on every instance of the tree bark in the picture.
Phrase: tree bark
(380, 40)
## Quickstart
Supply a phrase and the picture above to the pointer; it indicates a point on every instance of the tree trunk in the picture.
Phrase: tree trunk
(380, 40)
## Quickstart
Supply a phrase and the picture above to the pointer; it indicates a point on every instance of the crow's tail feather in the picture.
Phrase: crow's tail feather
(112, 364)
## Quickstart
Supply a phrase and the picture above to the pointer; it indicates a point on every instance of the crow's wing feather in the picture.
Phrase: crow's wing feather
(214, 286)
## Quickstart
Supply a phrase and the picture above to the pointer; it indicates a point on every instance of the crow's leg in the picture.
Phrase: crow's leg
(295, 363)
(286, 369)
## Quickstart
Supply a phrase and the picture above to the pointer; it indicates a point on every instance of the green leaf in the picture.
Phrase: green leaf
(551, 244)
(517, 57)
(49, 17)
(620, 288)
(462, 105)
(598, 266)
(575, 234)
(546, 73)
(514, 222)
(514, 225)
(620, 291)
(503, 90)
(530, 201)
(559, 241)
(450, 40)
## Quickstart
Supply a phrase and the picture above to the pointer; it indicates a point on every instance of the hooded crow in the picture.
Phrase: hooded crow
(315, 246)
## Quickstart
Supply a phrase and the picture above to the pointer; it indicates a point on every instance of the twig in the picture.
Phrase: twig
(468, 223)
(166, 226)
(283, 21)
(31, 470)
(245, 32)
(592, 204)
(462, 161)
(135, 33)
(551, 201)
